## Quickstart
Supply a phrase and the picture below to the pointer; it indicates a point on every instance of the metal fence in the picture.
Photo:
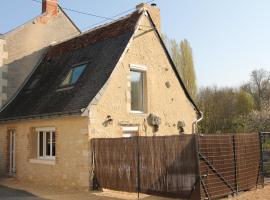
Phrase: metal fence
(265, 138)
(185, 166)
(229, 164)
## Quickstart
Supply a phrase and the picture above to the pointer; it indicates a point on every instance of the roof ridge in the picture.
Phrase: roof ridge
(103, 32)
(95, 28)
(37, 17)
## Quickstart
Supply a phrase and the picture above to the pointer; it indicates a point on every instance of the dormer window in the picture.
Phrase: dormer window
(73, 75)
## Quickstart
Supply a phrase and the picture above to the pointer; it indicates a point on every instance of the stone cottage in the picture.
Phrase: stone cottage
(116, 80)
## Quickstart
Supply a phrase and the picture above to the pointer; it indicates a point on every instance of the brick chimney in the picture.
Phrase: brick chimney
(154, 12)
(50, 7)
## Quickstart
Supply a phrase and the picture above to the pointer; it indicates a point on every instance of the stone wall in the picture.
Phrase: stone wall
(71, 169)
(3, 69)
(3, 153)
(165, 97)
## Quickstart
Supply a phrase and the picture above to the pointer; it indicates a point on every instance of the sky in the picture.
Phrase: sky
(229, 38)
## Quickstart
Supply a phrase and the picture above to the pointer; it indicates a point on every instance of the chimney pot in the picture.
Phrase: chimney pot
(50, 7)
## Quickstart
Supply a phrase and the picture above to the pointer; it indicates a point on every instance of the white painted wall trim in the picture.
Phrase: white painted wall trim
(138, 67)
(46, 129)
(130, 128)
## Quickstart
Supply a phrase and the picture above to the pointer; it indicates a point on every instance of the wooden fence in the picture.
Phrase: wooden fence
(184, 166)
(150, 165)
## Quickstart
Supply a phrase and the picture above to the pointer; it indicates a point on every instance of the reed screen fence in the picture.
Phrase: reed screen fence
(184, 166)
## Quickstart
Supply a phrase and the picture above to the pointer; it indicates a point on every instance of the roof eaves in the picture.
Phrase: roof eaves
(39, 16)
(24, 24)
(43, 116)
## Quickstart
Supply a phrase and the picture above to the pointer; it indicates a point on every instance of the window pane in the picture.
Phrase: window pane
(67, 79)
(136, 91)
(40, 144)
(48, 143)
(73, 75)
(76, 73)
(53, 143)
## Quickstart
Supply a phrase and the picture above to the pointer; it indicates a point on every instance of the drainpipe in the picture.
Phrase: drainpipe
(194, 124)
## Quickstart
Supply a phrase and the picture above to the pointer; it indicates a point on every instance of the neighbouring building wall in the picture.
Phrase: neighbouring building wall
(3, 72)
(26, 46)
(3, 153)
(165, 97)
(71, 169)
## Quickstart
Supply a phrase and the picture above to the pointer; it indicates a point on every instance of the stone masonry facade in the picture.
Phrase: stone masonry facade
(3, 70)
(71, 168)
(165, 97)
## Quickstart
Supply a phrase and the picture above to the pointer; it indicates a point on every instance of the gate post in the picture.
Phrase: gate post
(196, 192)
(261, 170)
(138, 167)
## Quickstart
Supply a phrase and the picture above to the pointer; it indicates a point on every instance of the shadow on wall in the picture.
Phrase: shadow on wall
(18, 70)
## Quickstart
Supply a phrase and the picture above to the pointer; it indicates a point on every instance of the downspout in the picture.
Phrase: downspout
(194, 124)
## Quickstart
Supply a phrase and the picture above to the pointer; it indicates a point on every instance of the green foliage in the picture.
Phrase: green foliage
(225, 110)
(186, 68)
(246, 109)
(258, 120)
(183, 59)
(244, 103)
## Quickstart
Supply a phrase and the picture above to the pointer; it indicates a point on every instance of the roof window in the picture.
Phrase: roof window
(73, 75)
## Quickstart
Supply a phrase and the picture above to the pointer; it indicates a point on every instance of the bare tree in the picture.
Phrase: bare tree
(183, 59)
(260, 87)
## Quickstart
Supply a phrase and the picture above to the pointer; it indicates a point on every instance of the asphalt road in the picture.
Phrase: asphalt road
(12, 194)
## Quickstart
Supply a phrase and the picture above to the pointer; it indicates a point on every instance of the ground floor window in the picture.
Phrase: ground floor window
(46, 144)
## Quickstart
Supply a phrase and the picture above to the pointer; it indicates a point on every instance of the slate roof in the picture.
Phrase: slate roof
(101, 48)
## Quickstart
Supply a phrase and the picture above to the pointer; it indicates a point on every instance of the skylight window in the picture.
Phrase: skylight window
(73, 75)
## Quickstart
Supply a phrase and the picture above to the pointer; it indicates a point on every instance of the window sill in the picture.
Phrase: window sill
(42, 161)
(137, 112)
(69, 87)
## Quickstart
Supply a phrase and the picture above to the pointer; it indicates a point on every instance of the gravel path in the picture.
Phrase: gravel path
(34, 191)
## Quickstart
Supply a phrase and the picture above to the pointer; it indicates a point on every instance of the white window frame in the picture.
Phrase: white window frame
(44, 130)
(130, 131)
(142, 69)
